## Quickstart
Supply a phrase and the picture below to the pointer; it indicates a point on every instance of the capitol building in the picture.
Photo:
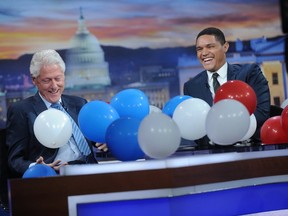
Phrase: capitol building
(85, 63)
(87, 72)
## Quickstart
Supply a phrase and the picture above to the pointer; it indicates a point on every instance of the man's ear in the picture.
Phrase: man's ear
(226, 46)
(33, 80)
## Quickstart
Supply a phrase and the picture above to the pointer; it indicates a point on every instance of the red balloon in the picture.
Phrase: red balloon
(284, 119)
(237, 90)
(272, 132)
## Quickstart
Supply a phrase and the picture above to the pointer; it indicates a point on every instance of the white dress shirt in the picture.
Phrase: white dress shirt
(222, 78)
(70, 151)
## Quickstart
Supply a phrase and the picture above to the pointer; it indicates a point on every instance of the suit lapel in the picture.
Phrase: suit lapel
(39, 105)
(70, 108)
(231, 73)
(207, 95)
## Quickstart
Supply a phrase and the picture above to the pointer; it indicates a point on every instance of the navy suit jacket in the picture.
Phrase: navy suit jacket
(198, 87)
(23, 146)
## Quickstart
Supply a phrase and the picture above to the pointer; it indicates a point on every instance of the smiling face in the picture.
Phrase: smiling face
(50, 82)
(211, 53)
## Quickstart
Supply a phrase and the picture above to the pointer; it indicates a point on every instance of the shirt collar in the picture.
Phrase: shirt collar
(48, 104)
(222, 72)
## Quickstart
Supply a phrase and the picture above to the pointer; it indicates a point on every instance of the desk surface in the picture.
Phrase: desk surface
(182, 158)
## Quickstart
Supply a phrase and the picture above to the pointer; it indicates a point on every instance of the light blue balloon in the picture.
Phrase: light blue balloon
(170, 105)
(131, 103)
(94, 119)
(122, 139)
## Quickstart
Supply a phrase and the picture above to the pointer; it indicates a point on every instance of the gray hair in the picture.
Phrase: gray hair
(45, 57)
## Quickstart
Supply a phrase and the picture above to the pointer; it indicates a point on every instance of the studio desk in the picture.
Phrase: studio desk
(113, 187)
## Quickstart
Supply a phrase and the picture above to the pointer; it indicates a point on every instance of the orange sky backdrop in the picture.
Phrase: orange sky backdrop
(27, 25)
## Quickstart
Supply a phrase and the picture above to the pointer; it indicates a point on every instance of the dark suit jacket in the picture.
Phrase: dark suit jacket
(23, 146)
(198, 87)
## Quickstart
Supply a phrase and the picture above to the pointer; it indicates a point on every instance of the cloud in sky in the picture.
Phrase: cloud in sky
(29, 25)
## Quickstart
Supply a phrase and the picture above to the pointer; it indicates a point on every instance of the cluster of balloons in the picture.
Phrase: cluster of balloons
(229, 120)
(231, 117)
(275, 129)
(132, 128)
(124, 125)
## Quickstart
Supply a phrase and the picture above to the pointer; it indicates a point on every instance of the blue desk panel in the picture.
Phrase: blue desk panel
(237, 201)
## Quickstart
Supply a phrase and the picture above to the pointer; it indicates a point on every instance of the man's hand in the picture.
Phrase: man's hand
(102, 147)
(55, 165)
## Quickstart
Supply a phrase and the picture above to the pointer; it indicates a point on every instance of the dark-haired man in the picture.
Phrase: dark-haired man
(211, 47)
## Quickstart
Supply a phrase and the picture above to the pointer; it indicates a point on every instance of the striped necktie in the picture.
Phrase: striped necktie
(77, 134)
(216, 83)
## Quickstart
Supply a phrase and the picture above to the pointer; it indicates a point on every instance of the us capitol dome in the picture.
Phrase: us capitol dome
(85, 63)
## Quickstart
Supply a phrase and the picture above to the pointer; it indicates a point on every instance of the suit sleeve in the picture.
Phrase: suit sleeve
(23, 146)
(259, 83)
(185, 89)
(17, 140)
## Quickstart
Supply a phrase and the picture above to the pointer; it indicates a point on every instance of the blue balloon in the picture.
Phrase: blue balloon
(39, 170)
(122, 139)
(170, 105)
(94, 119)
(131, 103)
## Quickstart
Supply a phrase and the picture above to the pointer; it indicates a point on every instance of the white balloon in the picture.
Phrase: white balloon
(284, 103)
(190, 116)
(158, 135)
(154, 109)
(227, 122)
(252, 128)
(52, 128)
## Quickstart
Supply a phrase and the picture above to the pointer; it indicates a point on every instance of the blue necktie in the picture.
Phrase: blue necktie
(77, 134)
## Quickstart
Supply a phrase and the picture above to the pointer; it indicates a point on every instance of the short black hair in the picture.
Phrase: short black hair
(219, 35)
